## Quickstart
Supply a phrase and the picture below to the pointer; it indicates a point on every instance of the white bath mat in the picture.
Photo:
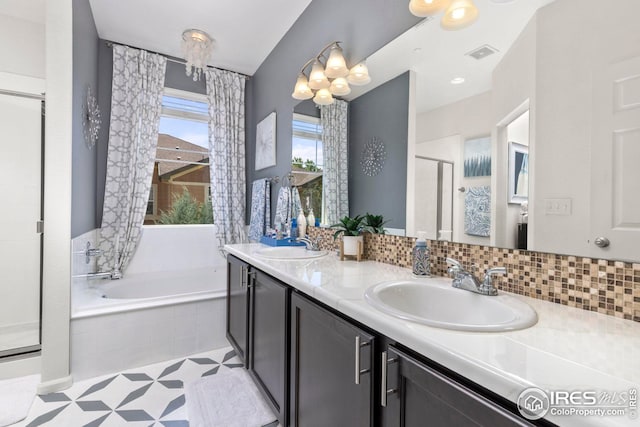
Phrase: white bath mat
(226, 399)
(16, 397)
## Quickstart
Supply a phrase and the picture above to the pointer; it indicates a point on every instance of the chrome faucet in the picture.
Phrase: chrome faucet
(311, 245)
(463, 279)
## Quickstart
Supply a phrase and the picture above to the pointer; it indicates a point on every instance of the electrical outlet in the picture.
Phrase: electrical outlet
(557, 206)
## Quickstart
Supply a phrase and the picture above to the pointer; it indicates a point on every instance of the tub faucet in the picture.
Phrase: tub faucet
(311, 245)
(463, 279)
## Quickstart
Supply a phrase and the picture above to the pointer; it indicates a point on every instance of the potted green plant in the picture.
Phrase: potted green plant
(351, 229)
(374, 224)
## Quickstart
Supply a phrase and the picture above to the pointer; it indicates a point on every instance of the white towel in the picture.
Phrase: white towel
(16, 397)
(226, 399)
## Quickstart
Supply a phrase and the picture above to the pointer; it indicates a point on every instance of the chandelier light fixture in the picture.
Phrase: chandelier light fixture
(458, 14)
(329, 79)
(197, 47)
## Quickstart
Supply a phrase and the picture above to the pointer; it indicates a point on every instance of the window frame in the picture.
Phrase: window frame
(180, 114)
(154, 203)
(171, 113)
(319, 143)
(317, 137)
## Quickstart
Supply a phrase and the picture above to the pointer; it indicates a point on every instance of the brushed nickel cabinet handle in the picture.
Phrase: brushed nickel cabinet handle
(358, 371)
(251, 281)
(384, 391)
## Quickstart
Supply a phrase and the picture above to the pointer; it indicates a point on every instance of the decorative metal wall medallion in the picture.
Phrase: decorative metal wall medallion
(91, 119)
(373, 156)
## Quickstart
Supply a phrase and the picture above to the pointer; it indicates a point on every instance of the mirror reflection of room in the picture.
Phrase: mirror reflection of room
(307, 156)
(556, 118)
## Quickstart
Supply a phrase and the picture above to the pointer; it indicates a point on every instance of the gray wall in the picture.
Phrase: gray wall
(85, 73)
(105, 73)
(382, 112)
(363, 25)
(175, 78)
(308, 108)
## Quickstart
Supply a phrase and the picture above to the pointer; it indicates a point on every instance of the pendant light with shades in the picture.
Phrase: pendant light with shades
(458, 14)
(329, 79)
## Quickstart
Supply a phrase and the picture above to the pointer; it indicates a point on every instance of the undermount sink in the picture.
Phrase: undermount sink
(435, 302)
(289, 252)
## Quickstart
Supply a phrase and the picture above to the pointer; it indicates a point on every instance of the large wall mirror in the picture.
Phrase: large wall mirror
(525, 126)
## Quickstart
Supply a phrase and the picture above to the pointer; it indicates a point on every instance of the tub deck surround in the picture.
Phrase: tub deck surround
(604, 286)
(568, 349)
(146, 290)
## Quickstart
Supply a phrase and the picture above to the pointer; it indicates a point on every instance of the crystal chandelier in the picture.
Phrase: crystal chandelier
(197, 47)
(329, 79)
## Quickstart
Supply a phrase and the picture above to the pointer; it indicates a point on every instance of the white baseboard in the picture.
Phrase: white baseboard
(55, 385)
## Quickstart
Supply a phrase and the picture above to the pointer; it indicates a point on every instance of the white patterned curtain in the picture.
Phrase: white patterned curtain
(335, 184)
(225, 91)
(138, 83)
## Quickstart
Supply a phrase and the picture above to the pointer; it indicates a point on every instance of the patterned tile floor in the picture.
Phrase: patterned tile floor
(148, 396)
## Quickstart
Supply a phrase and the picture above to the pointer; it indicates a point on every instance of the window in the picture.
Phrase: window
(181, 177)
(307, 161)
(152, 208)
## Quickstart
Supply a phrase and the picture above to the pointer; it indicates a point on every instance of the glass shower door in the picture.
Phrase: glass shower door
(20, 211)
(434, 198)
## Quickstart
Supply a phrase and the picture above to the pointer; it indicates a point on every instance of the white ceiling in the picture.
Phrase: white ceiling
(437, 56)
(245, 31)
(29, 10)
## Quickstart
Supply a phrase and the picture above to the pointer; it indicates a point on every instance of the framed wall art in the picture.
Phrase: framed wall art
(477, 157)
(266, 142)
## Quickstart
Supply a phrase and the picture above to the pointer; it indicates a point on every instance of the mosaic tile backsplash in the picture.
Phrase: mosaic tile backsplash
(605, 286)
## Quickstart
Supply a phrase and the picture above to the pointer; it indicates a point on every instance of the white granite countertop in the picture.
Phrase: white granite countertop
(568, 349)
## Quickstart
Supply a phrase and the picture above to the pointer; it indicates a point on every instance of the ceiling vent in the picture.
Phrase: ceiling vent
(482, 52)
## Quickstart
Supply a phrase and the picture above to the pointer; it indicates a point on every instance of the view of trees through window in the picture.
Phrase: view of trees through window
(180, 191)
(307, 161)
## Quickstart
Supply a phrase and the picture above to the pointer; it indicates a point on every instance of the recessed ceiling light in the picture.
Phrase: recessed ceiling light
(457, 81)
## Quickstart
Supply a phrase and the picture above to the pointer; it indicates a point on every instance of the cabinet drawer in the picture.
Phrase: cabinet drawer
(418, 395)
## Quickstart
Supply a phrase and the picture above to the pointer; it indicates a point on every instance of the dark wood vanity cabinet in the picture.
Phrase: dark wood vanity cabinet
(238, 306)
(414, 394)
(316, 367)
(331, 369)
(258, 330)
(269, 340)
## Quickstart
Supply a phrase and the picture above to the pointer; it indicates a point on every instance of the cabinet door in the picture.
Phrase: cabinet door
(237, 306)
(269, 340)
(331, 362)
(419, 396)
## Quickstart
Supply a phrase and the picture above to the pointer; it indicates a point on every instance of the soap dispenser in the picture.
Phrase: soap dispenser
(302, 224)
(311, 218)
(420, 257)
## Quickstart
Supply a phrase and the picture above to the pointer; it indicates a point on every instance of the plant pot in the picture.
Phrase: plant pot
(351, 244)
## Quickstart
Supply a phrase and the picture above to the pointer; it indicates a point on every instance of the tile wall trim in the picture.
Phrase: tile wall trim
(604, 286)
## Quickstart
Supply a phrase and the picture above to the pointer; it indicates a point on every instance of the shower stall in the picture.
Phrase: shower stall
(21, 190)
(434, 198)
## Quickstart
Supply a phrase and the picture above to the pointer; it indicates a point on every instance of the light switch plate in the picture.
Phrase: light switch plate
(557, 206)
